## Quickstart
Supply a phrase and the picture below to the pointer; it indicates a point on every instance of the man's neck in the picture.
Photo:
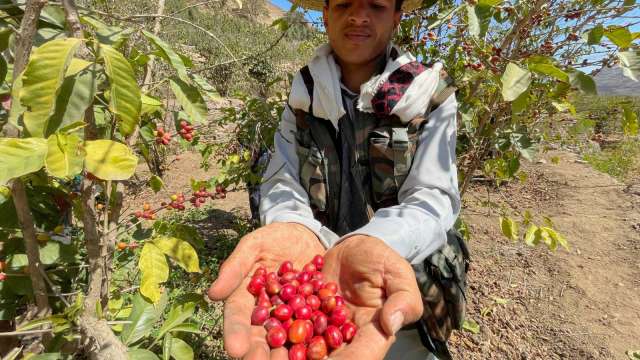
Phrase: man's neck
(354, 75)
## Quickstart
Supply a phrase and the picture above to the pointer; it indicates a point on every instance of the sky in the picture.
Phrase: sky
(286, 5)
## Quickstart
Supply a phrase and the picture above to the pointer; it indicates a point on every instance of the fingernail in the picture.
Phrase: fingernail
(397, 319)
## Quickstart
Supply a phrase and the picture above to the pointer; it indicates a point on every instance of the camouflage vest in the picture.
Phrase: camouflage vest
(381, 150)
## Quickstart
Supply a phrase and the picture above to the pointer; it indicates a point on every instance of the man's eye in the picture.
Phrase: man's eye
(342, 5)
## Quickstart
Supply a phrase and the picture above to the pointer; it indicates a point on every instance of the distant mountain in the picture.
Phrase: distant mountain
(611, 81)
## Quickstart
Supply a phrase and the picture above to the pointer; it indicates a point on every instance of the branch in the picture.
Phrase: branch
(20, 200)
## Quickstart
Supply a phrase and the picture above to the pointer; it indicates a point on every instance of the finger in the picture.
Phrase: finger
(403, 305)
(259, 347)
(370, 343)
(234, 270)
(279, 354)
(237, 322)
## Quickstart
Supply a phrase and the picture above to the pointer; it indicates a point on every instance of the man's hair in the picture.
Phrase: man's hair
(398, 4)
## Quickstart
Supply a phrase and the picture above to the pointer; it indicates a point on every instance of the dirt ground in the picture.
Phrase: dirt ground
(578, 304)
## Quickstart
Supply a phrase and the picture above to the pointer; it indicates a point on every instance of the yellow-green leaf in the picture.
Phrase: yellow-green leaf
(630, 64)
(150, 105)
(65, 155)
(471, 326)
(42, 80)
(179, 250)
(509, 228)
(156, 183)
(515, 81)
(620, 36)
(155, 270)
(21, 157)
(16, 111)
(530, 237)
(556, 238)
(190, 99)
(110, 160)
(630, 122)
(125, 94)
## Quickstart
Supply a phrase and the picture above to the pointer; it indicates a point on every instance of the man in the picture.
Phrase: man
(364, 173)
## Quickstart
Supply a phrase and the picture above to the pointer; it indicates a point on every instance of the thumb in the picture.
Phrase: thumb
(400, 309)
(234, 270)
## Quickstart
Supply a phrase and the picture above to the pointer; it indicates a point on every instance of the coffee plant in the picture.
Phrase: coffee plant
(79, 111)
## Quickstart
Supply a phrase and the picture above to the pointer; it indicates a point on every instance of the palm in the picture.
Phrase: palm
(268, 246)
(368, 273)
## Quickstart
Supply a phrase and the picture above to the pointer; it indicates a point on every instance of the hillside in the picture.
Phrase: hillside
(611, 81)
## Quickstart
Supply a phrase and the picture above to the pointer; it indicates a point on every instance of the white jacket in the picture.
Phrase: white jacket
(429, 200)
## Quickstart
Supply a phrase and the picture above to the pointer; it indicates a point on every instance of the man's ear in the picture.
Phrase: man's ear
(397, 16)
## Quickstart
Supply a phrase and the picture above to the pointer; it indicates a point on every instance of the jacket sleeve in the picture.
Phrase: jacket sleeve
(429, 198)
(282, 198)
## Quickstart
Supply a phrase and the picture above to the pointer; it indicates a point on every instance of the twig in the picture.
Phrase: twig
(25, 333)
(53, 287)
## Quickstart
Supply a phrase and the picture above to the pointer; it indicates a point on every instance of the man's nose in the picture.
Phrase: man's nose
(359, 14)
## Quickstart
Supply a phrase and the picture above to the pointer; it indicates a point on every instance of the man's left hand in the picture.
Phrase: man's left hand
(380, 289)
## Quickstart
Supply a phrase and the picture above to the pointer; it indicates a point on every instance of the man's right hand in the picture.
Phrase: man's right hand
(267, 246)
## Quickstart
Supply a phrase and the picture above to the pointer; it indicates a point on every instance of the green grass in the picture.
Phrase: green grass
(621, 161)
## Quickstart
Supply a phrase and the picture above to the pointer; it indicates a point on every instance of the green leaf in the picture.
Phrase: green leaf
(509, 228)
(620, 36)
(141, 354)
(179, 250)
(156, 183)
(178, 314)
(42, 80)
(168, 54)
(471, 326)
(76, 94)
(190, 99)
(150, 105)
(65, 155)
(16, 111)
(110, 160)
(142, 318)
(179, 349)
(583, 82)
(189, 328)
(630, 63)
(550, 70)
(125, 100)
(155, 270)
(479, 17)
(211, 92)
(515, 81)
(109, 35)
(21, 157)
(594, 36)
(47, 356)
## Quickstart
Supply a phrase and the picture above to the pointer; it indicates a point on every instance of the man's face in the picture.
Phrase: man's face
(359, 30)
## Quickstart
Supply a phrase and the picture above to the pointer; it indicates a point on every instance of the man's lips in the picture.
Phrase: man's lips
(357, 36)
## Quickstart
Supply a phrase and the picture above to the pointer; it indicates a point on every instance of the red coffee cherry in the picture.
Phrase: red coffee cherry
(271, 323)
(318, 261)
(296, 302)
(348, 330)
(304, 313)
(339, 315)
(333, 337)
(297, 332)
(259, 315)
(285, 267)
(282, 312)
(320, 324)
(314, 302)
(287, 292)
(298, 352)
(276, 337)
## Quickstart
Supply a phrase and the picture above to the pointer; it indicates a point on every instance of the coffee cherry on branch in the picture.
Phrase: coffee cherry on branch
(162, 137)
(3, 276)
(186, 131)
(122, 245)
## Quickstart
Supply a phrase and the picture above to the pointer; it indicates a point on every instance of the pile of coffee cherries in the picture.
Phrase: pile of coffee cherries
(300, 310)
